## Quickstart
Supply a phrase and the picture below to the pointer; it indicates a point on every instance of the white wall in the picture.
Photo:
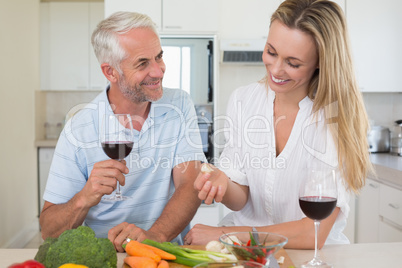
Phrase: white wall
(384, 108)
(19, 72)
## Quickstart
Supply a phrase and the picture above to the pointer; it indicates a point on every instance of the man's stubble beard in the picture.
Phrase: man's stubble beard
(135, 93)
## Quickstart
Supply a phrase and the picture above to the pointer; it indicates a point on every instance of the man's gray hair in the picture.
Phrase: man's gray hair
(105, 37)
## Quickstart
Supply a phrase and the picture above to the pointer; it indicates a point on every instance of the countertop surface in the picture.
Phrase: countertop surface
(45, 143)
(387, 160)
(345, 256)
(388, 169)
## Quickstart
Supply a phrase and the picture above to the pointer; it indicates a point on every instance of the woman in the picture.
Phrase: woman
(277, 131)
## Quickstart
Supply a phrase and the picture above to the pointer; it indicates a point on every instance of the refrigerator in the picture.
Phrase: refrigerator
(191, 66)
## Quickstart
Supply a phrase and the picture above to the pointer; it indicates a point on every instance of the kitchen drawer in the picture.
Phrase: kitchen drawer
(389, 232)
(391, 204)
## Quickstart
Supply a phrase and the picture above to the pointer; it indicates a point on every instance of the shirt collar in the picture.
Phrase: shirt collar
(304, 103)
(161, 106)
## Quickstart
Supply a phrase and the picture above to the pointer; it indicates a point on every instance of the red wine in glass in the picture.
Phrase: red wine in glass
(317, 199)
(117, 149)
(116, 134)
(317, 208)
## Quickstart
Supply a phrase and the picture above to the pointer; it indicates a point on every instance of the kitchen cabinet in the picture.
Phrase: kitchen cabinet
(173, 15)
(389, 232)
(237, 23)
(379, 213)
(45, 156)
(240, 20)
(67, 58)
(390, 214)
(210, 214)
(374, 29)
(153, 8)
(207, 214)
(367, 213)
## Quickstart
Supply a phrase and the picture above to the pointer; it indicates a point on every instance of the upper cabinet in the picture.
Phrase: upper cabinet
(152, 8)
(249, 21)
(170, 16)
(375, 32)
(67, 58)
(246, 21)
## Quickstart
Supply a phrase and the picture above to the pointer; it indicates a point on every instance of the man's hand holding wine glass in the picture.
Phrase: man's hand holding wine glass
(102, 180)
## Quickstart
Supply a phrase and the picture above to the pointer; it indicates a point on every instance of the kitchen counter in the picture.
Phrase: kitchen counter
(388, 168)
(354, 255)
(46, 143)
(345, 256)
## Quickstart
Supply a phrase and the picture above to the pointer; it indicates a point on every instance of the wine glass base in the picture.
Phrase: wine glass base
(116, 198)
(316, 263)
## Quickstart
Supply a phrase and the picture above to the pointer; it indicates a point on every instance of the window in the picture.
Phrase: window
(189, 66)
(178, 60)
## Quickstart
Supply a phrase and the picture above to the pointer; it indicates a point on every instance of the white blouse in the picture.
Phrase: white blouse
(249, 158)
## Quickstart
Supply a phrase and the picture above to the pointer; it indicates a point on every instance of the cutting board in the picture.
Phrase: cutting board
(287, 262)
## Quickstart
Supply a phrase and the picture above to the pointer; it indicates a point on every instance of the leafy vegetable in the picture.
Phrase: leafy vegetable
(77, 246)
(187, 256)
(252, 252)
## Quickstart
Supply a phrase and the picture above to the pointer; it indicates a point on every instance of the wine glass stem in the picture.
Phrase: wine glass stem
(316, 230)
(118, 193)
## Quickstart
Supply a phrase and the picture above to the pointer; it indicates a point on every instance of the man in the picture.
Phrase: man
(160, 171)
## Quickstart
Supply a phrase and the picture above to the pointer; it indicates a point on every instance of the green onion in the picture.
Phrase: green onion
(187, 256)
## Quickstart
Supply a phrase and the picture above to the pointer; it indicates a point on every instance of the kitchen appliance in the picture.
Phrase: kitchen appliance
(396, 139)
(205, 124)
(379, 139)
(191, 65)
(240, 51)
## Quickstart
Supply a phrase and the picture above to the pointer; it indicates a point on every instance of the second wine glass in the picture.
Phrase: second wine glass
(317, 199)
(117, 139)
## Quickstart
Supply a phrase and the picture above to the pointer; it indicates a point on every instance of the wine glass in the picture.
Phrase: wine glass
(117, 139)
(317, 199)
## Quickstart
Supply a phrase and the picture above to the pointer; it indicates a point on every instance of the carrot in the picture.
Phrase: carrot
(163, 254)
(163, 264)
(135, 248)
(140, 262)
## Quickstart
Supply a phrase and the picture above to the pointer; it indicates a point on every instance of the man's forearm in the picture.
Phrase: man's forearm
(177, 214)
(55, 219)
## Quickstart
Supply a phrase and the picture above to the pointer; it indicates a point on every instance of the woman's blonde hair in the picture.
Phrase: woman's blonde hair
(334, 87)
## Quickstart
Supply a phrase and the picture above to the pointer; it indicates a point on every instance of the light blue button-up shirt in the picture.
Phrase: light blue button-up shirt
(169, 136)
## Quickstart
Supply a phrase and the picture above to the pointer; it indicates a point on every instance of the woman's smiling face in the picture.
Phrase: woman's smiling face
(290, 57)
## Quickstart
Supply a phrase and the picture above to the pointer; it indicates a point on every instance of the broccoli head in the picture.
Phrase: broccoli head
(41, 255)
(79, 246)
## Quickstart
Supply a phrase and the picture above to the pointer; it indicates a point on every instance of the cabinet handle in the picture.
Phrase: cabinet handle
(393, 206)
(172, 27)
(375, 186)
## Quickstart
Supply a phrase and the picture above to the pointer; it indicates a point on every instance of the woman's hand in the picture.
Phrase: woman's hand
(211, 183)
